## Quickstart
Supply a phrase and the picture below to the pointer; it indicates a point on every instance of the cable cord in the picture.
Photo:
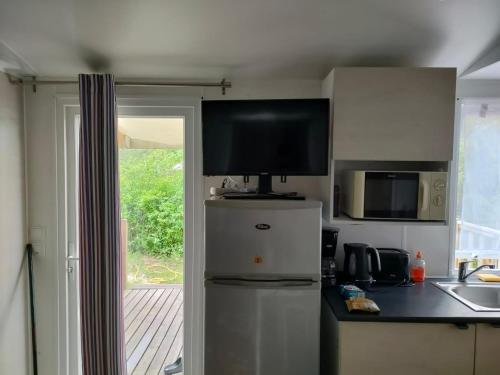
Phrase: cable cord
(29, 249)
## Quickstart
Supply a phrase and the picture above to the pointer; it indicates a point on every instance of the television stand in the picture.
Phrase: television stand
(265, 196)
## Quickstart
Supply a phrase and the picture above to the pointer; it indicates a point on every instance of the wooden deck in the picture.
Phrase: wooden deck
(153, 328)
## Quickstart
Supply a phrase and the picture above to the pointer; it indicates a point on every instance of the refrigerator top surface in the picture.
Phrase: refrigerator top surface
(263, 204)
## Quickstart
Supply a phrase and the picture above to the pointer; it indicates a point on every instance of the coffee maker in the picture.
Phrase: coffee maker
(329, 238)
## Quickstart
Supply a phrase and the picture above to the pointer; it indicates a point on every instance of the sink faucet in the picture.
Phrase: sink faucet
(462, 270)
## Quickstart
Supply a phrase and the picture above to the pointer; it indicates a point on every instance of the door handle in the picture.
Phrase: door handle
(70, 265)
(70, 259)
(263, 284)
(462, 325)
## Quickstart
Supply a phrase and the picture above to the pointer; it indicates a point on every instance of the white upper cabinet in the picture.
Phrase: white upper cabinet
(399, 114)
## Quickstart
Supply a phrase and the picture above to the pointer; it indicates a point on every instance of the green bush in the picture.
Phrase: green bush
(151, 192)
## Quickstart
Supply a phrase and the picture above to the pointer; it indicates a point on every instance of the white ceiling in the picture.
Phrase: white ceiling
(491, 71)
(244, 38)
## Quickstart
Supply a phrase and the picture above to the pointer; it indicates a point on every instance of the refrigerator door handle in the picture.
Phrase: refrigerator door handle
(263, 283)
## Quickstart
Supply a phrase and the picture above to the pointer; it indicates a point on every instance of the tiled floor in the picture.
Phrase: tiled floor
(153, 328)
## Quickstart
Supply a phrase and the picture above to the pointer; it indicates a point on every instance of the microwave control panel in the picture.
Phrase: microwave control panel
(438, 183)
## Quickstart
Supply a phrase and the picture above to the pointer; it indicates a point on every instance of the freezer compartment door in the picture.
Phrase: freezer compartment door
(263, 239)
(261, 329)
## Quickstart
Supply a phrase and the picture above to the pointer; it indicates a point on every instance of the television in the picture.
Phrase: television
(279, 137)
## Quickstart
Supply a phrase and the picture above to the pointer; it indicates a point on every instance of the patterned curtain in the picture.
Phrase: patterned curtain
(103, 349)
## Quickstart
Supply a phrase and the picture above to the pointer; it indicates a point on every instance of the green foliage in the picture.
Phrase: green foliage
(151, 191)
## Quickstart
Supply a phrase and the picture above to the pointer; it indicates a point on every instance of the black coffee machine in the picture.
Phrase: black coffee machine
(329, 238)
(361, 260)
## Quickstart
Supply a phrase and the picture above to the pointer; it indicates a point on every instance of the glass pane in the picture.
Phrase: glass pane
(478, 190)
(151, 151)
(391, 195)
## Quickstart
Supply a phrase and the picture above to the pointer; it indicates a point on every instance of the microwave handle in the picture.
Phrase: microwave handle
(425, 195)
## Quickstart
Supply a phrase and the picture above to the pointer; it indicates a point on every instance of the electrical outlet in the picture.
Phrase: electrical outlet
(38, 248)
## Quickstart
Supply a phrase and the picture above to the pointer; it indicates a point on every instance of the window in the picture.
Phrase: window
(478, 189)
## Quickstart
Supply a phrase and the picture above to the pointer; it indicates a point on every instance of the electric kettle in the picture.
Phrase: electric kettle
(361, 260)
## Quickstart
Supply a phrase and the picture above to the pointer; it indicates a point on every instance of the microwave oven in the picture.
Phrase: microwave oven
(398, 195)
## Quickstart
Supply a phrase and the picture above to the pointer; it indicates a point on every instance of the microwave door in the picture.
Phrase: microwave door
(391, 195)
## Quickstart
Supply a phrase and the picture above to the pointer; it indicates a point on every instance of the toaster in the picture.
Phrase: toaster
(394, 266)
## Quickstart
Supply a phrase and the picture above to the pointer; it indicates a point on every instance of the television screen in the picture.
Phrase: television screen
(283, 137)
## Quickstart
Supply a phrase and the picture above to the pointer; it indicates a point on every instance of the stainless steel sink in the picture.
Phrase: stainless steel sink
(477, 296)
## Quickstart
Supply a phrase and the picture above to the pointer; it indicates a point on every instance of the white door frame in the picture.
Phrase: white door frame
(454, 165)
(190, 109)
(67, 107)
(453, 186)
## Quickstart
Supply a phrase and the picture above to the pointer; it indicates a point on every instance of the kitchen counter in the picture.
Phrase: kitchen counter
(421, 303)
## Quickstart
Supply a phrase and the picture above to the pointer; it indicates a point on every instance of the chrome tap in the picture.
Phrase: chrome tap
(462, 270)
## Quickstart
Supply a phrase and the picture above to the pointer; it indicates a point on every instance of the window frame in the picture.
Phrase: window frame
(66, 107)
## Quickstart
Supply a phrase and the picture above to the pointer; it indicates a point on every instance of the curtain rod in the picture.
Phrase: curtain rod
(223, 84)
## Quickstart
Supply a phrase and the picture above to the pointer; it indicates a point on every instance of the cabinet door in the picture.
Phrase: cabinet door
(487, 341)
(405, 348)
(394, 113)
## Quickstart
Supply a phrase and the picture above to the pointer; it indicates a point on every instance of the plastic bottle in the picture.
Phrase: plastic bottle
(418, 268)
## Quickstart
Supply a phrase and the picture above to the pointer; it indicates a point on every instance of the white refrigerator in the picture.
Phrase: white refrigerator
(262, 287)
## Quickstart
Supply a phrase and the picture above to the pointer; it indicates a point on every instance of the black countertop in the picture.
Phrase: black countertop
(423, 303)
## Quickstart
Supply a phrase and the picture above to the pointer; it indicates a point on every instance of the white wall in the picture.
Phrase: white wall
(42, 182)
(42, 212)
(433, 240)
(14, 332)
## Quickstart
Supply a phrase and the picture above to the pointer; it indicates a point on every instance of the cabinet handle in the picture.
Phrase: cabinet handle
(495, 325)
(462, 325)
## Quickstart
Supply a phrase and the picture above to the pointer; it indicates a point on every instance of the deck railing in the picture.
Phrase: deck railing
(477, 242)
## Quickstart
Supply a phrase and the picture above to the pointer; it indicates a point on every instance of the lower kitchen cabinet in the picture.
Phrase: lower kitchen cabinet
(387, 348)
(405, 348)
(395, 348)
(487, 353)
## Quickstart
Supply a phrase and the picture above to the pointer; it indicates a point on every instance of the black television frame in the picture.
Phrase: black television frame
(265, 178)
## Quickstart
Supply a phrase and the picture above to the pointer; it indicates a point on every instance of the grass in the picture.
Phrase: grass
(146, 269)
